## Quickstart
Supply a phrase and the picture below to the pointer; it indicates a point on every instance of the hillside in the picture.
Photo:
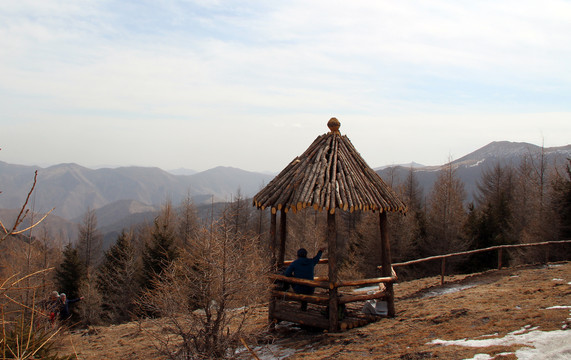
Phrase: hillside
(513, 313)
(71, 188)
(470, 167)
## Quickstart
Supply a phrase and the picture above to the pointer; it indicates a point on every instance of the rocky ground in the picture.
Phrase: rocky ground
(507, 314)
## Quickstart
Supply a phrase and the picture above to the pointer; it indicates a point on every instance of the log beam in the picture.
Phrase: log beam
(283, 234)
(294, 280)
(386, 262)
(332, 250)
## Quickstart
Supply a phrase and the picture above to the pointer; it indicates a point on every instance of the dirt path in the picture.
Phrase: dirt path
(488, 305)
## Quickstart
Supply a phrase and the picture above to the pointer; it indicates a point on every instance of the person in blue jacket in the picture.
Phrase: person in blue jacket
(303, 268)
(64, 312)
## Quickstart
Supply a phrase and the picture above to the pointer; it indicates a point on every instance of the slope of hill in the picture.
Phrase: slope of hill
(469, 168)
(71, 188)
(512, 313)
(54, 228)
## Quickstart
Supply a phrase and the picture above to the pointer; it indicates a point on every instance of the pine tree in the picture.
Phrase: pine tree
(160, 250)
(491, 221)
(70, 276)
(495, 201)
(116, 279)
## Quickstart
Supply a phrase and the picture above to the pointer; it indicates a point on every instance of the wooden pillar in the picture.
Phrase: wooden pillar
(442, 271)
(386, 262)
(332, 255)
(283, 233)
(274, 267)
(500, 256)
(273, 242)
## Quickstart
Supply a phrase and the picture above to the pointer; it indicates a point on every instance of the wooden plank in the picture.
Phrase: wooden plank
(385, 279)
(321, 261)
(314, 299)
(294, 280)
(344, 299)
(309, 318)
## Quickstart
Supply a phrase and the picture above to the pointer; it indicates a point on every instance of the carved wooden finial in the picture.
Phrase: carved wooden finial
(333, 124)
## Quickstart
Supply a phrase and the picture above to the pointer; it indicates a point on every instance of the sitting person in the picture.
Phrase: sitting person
(303, 268)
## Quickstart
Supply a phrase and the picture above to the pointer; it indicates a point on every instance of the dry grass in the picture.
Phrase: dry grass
(498, 302)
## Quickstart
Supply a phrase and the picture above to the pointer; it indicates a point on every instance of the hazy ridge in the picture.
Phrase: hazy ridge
(126, 196)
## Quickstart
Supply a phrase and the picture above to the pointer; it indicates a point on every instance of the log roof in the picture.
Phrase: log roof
(329, 175)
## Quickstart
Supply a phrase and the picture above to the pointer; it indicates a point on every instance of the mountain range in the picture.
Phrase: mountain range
(469, 168)
(129, 195)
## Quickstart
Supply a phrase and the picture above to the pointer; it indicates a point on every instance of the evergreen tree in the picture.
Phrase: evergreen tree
(492, 221)
(495, 201)
(159, 251)
(116, 279)
(70, 276)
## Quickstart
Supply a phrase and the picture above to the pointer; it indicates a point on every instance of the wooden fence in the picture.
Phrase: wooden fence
(500, 249)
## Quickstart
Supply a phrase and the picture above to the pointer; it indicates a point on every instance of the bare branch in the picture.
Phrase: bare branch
(34, 225)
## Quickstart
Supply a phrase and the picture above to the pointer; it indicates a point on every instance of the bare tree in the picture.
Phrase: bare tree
(90, 241)
(188, 223)
(206, 297)
(446, 215)
(20, 335)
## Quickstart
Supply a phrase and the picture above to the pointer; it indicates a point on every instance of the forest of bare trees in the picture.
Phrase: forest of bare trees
(203, 274)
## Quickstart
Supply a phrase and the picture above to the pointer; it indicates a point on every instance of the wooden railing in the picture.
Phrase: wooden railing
(500, 249)
(326, 284)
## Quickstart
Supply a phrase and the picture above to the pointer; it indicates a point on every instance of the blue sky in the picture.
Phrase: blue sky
(250, 84)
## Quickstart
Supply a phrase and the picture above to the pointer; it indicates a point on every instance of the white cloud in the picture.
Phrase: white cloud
(422, 79)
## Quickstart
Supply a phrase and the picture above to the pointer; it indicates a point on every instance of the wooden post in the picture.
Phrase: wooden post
(386, 262)
(274, 267)
(332, 254)
(283, 233)
(273, 243)
(442, 271)
(500, 255)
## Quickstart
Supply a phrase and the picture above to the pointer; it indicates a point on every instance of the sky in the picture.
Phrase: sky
(250, 84)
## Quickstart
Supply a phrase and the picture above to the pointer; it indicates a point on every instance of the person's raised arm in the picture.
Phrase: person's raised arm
(318, 256)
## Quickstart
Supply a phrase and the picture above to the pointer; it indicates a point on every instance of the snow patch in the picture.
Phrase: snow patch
(477, 163)
(558, 307)
(536, 344)
(448, 290)
(488, 357)
(368, 289)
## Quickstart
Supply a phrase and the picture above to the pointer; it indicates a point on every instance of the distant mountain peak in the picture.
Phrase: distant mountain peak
(183, 171)
(411, 164)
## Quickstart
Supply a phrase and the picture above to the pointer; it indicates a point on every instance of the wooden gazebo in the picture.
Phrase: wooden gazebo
(329, 175)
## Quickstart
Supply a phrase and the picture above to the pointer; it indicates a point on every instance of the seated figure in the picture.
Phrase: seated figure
(303, 268)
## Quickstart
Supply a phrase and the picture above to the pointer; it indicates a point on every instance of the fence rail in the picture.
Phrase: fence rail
(500, 249)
